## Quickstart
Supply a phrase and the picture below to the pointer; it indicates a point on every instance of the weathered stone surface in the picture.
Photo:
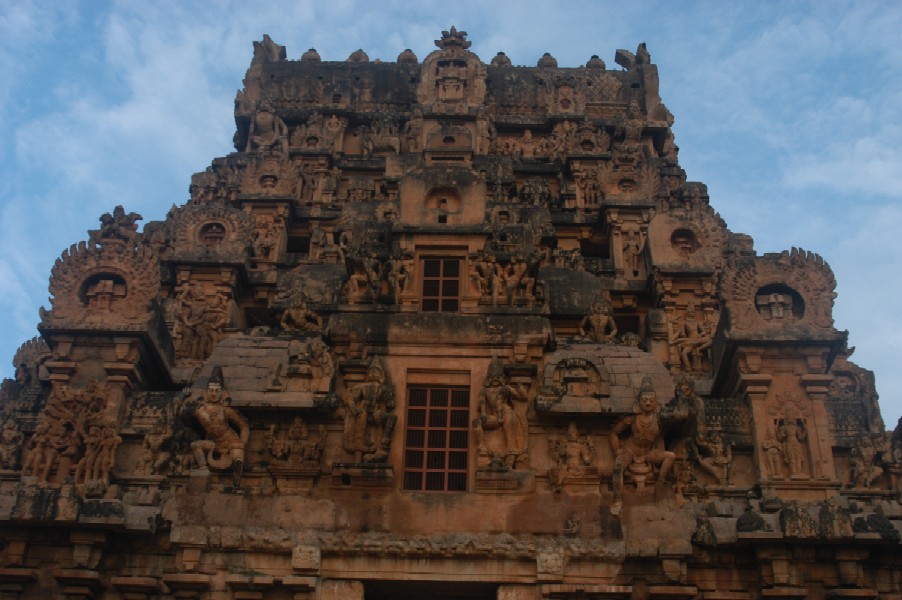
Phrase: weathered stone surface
(450, 329)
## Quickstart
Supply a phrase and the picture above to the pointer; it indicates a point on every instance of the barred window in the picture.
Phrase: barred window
(441, 284)
(437, 438)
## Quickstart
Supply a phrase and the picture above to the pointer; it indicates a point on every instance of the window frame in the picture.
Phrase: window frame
(437, 430)
(448, 289)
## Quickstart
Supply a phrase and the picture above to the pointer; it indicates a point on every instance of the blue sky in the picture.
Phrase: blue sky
(791, 112)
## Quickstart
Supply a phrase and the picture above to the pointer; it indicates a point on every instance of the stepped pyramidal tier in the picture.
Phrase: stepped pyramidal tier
(444, 329)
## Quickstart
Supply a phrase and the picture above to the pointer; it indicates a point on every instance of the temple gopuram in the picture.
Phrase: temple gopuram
(443, 329)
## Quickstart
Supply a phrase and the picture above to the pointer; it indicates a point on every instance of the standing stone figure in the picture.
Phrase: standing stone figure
(369, 421)
(793, 433)
(643, 448)
(226, 430)
(500, 431)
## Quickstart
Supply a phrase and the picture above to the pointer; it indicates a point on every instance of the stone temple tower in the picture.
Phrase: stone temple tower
(443, 328)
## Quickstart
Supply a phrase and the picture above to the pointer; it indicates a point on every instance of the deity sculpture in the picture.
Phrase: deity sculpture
(154, 455)
(720, 459)
(632, 253)
(296, 447)
(572, 456)
(500, 430)
(200, 321)
(300, 318)
(267, 131)
(773, 455)
(226, 430)
(369, 420)
(692, 340)
(864, 467)
(598, 325)
(11, 439)
(793, 433)
(643, 449)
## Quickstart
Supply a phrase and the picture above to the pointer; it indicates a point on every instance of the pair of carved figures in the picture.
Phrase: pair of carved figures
(200, 321)
(692, 340)
(511, 282)
(386, 280)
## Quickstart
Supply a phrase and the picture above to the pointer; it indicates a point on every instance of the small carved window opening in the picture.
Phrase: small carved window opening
(336, 98)
(779, 302)
(441, 284)
(211, 234)
(443, 219)
(437, 439)
(684, 242)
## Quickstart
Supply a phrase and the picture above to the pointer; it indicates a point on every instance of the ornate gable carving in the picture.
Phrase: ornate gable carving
(102, 287)
(210, 232)
(779, 292)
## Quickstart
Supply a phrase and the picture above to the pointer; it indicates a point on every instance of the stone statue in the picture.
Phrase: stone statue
(598, 325)
(773, 455)
(632, 253)
(643, 449)
(154, 455)
(692, 340)
(572, 456)
(300, 318)
(226, 430)
(500, 431)
(720, 459)
(267, 131)
(11, 440)
(864, 467)
(369, 420)
(793, 433)
(201, 321)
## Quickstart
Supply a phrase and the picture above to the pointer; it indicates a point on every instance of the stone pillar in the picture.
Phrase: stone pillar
(753, 388)
(817, 386)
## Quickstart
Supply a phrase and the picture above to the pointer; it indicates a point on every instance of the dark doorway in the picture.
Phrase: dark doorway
(429, 590)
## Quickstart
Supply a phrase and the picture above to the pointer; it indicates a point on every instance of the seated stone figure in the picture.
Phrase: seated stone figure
(643, 448)
(226, 430)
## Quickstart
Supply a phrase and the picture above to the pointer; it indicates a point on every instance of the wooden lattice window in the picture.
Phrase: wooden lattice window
(437, 437)
(441, 284)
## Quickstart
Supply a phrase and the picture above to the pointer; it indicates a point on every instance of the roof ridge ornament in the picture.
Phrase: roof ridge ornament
(453, 39)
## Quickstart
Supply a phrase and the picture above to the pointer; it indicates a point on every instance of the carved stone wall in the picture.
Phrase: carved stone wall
(447, 329)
